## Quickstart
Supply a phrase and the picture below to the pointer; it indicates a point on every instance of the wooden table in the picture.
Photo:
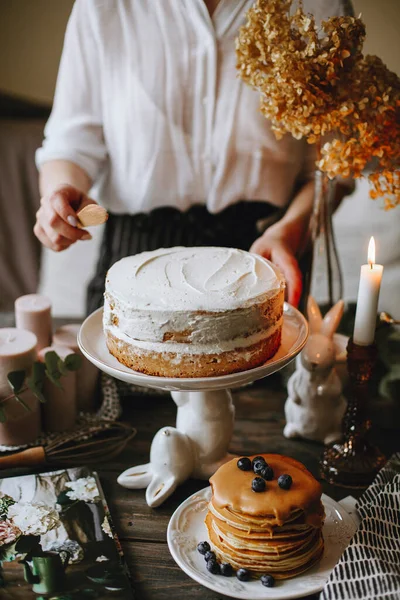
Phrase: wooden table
(142, 530)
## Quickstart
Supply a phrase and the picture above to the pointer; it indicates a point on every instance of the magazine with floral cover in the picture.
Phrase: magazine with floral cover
(57, 539)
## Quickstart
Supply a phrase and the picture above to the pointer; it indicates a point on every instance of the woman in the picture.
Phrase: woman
(149, 109)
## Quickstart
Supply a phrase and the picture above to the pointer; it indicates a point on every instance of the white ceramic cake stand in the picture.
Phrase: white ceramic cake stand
(199, 443)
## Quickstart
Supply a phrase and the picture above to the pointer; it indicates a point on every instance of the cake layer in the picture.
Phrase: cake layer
(173, 364)
(197, 327)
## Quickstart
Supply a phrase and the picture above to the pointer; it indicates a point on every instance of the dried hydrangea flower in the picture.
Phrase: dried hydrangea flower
(316, 81)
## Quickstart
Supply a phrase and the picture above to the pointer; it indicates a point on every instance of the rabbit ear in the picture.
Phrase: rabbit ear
(332, 319)
(160, 488)
(314, 315)
(136, 477)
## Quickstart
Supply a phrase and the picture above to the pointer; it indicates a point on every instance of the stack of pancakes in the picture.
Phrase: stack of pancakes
(277, 531)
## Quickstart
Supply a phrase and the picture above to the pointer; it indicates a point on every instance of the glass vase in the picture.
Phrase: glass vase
(323, 277)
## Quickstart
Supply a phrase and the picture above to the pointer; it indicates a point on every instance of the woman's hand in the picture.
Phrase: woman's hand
(280, 243)
(56, 220)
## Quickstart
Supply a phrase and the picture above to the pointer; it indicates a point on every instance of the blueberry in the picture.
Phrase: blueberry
(210, 555)
(258, 484)
(267, 473)
(213, 567)
(244, 464)
(257, 459)
(203, 547)
(285, 482)
(259, 466)
(267, 580)
(226, 569)
(243, 574)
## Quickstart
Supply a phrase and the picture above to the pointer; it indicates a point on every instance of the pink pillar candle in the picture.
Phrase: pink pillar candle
(33, 313)
(17, 353)
(87, 375)
(60, 408)
(22, 426)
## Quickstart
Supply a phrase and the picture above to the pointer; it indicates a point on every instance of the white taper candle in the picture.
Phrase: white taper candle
(367, 300)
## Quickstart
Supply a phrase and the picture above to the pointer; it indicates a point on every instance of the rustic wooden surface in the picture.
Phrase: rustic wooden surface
(142, 530)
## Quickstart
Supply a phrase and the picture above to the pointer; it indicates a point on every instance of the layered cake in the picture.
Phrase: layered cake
(193, 312)
(273, 526)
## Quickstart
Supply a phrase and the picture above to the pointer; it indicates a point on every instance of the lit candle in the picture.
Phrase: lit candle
(367, 300)
(33, 313)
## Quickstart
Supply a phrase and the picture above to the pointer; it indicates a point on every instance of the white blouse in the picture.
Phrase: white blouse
(149, 104)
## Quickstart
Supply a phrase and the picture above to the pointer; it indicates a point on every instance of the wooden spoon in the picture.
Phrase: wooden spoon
(90, 215)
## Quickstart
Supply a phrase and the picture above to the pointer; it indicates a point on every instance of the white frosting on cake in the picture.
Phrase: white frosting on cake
(216, 347)
(193, 290)
(209, 279)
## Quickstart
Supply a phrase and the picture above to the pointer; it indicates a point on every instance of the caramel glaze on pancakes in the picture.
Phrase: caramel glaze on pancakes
(277, 531)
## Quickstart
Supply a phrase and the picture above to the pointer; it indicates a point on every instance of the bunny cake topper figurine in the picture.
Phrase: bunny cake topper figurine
(315, 406)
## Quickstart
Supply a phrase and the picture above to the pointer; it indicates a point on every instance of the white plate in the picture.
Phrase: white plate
(92, 342)
(186, 529)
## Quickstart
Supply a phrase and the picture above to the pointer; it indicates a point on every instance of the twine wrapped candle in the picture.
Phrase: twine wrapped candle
(33, 313)
(87, 376)
(60, 408)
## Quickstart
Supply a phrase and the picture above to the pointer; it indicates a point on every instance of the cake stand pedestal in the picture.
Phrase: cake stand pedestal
(199, 443)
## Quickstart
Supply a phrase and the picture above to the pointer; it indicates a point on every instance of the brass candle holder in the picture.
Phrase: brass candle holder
(354, 462)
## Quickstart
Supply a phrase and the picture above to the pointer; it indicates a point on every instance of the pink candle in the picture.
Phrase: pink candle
(22, 426)
(87, 375)
(17, 353)
(60, 407)
(33, 313)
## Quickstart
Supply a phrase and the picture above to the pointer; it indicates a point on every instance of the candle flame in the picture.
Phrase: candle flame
(371, 252)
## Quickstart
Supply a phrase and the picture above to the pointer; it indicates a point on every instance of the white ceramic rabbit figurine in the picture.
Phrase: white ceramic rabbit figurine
(196, 447)
(315, 406)
(171, 462)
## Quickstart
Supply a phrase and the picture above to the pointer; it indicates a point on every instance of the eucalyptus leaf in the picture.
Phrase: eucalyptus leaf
(36, 381)
(16, 380)
(54, 379)
(19, 399)
(51, 360)
(73, 362)
(38, 373)
(62, 367)
(36, 390)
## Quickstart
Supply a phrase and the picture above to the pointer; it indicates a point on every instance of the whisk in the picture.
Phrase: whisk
(89, 444)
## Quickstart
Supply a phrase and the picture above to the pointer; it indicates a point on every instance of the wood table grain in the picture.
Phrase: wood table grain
(142, 530)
